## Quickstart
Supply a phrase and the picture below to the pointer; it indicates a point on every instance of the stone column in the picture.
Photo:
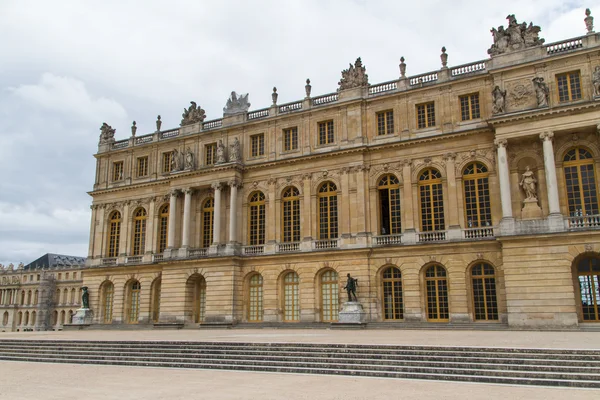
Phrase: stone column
(452, 211)
(344, 220)
(272, 212)
(361, 201)
(504, 178)
(172, 219)
(125, 223)
(217, 213)
(150, 231)
(306, 219)
(92, 231)
(550, 169)
(233, 189)
(187, 205)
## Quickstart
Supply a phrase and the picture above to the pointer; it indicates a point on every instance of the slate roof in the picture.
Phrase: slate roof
(55, 261)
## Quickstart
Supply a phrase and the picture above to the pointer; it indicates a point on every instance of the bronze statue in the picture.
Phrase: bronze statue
(350, 287)
(85, 298)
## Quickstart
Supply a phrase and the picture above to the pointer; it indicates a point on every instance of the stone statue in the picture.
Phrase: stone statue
(498, 99)
(133, 129)
(274, 95)
(596, 80)
(307, 88)
(189, 159)
(541, 91)
(528, 183)
(192, 114)
(175, 164)
(444, 58)
(351, 285)
(589, 21)
(515, 37)
(234, 151)
(85, 298)
(236, 105)
(107, 134)
(354, 76)
(158, 123)
(220, 152)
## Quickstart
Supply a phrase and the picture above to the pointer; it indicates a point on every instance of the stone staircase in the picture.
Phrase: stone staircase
(570, 368)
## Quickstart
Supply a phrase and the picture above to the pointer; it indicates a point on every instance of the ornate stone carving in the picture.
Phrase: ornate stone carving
(547, 135)
(221, 153)
(236, 105)
(189, 159)
(307, 88)
(589, 21)
(588, 246)
(192, 114)
(234, 151)
(272, 181)
(520, 94)
(354, 76)
(542, 93)
(515, 37)
(307, 176)
(216, 186)
(133, 129)
(274, 96)
(234, 182)
(175, 161)
(528, 183)
(107, 134)
(498, 99)
(500, 142)
(596, 80)
(158, 123)
(450, 157)
(402, 68)
(444, 58)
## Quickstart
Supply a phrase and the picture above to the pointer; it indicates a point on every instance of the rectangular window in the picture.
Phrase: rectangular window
(385, 123)
(569, 86)
(290, 139)
(142, 166)
(210, 152)
(257, 144)
(326, 132)
(59, 276)
(167, 162)
(74, 275)
(118, 171)
(469, 107)
(425, 115)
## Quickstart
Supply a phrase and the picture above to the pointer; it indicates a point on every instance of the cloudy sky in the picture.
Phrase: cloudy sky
(68, 66)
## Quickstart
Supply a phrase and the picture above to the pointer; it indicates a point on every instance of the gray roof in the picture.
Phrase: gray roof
(55, 261)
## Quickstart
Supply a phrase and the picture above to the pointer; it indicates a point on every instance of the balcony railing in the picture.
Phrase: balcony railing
(197, 253)
(286, 247)
(434, 236)
(582, 222)
(424, 78)
(133, 260)
(327, 244)
(565, 45)
(258, 114)
(478, 233)
(383, 87)
(388, 239)
(252, 250)
(327, 98)
(171, 133)
(215, 123)
(144, 139)
(120, 144)
(158, 257)
(109, 261)
(295, 106)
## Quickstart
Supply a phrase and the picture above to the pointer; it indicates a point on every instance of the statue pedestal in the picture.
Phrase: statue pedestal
(531, 210)
(83, 316)
(352, 313)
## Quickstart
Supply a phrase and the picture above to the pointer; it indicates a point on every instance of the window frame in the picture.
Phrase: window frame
(569, 86)
(387, 124)
(143, 164)
(326, 132)
(290, 139)
(428, 121)
(118, 173)
(257, 145)
(210, 154)
(472, 108)
(167, 162)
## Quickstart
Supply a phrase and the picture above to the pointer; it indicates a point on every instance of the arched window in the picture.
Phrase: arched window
(436, 286)
(255, 298)
(114, 234)
(388, 188)
(73, 296)
(477, 196)
(62, 317)
(330, 296)
(20, 318)
(139, 232)
(36, 297)
(107, 291)
(196, 298)
(431, 199)
(33, 318)
(5, 318)
(55, 318)
(291, 214)
(208, 210)
(328, 211)
(26, 322)
(65, 296)
(256, 220)
(393, 306)
(23, 297)
(485, 304)
(163, 228)
(588, 275)
(155, 304)
(70, 316)
(582, 191)
(29, 298)
(291, 302)
(133, 303)
(57, 296)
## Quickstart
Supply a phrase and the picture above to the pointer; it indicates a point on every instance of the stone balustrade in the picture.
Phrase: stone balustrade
(583, 222)
(326, 244)
(263, 113)
(387, 239)
(289, 107)
(434, 236)
(459, 70)
(478, 233)
(563, 46)
(253, 250)
(287, 247)
(383, 88)
(216, 123)
(325, 99)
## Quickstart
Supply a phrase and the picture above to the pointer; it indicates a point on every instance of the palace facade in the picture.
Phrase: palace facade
(467, 194)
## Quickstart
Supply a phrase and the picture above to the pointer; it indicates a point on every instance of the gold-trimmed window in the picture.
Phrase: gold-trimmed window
(257, 145)
(196, 297)
(142, 166)
(580, 182)
(107, 301)
(393, 303)
(255, 298)
(485, 303)
(291, 214)
(290, 138)
(167, 162)
(330, 296)
(328, 211)
(588, 277)
(163, 228)
(114, 234)
(256, 220)
(208, 212)
(389, 205)
(210, 154)
(385, 123)
(431, 199)
(139, 231)
(133, 305)
(291, 301)
(478, 212)
(469, 107)
(117, 171)
(326, 134)
(425, 115)
(155, 296)
(569, 86)
(436, 285)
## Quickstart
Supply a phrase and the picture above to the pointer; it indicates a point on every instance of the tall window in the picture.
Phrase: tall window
(167, 162)
(328, 211)
(196, 285)
(330, 296)
(107, 302)
(210, 154)
(385, 122)
(257, 145)
(118, 171)
(73, 296)
(133, 305)
(569, 86)
(477, 196)
(290, 139)
(588, 276)
(155, 304)
(389, 204)
(142, 166)
(114, 234)
(393, 306)
(291, 303)
(485, 304)
(469, 107)
(582, 190)
(436, 286)
(291, 214)
(256, 219)
(208, 210)
(432, 200)
(425, 115)
(255, 298)
(326, 135)
(139, 231)
(163, 228)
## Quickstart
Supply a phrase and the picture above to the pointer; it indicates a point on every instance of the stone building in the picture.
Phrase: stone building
(42, 295)
(463, 195)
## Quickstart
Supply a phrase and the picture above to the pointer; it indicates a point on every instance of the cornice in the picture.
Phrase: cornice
(541, 113)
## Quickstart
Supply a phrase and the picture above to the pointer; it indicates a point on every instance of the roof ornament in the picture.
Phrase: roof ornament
(236, 105)
(192, 114)
(354, 76)
(107, 134)
(515, 37)
(589, 21)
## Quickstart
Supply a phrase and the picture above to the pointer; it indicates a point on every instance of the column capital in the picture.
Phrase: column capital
(188, 191)
(547, 135)
(407, 162)
(234, 183)
(174, 192)
(217, 186)
(307, 176)
(501, 143)
(450, 157)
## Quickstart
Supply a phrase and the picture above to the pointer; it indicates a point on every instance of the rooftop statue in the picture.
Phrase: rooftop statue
(192, 115)
(107, 134)
(354, 76)
(515, 37)
(236, 105)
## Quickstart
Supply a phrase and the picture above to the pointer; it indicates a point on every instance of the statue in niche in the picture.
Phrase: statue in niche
(515, 37)
(351, 285)
(175, 164)
(189, 159)
(354, 76)
(236, 105)
(499, 99)
(85, 298)
(528, 183)
(541, 91)
(107, 133)
(220, 153)
(596, 80)
(192, 114)
(234, 151)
